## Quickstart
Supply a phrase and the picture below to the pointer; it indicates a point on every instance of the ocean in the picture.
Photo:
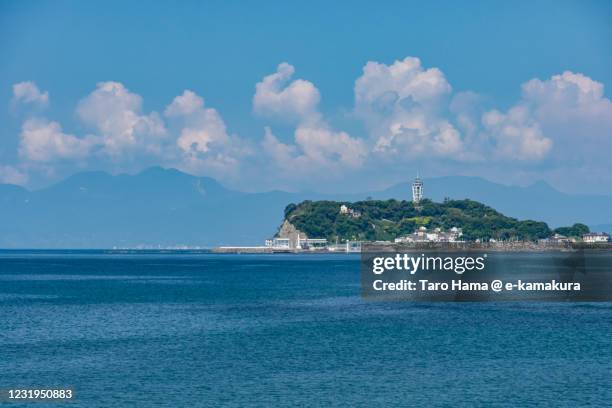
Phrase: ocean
(206, 330)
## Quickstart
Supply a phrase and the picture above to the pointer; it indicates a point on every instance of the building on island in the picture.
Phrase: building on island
(288, 244)
(594, 237)
(436, 235)
(345, 210)
(311, 243)
(417, 190)
(291, 239)
(557, 239)
(279, 243)
(560, 239)
(347, 246)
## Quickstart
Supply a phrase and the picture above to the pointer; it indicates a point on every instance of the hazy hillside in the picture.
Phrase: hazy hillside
(168, 207)
(157, 206)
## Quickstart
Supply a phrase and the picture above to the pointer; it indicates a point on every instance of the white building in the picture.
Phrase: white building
(278, 243)
(417, 190)
(560, 239)
(349, 211)
(311, 243)
(594, 237)
(436, 235)
(297, 244)
(454, 234)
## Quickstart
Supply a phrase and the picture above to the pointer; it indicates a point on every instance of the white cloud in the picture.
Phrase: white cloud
(282, 153)
(565, 118)
(197, 141)
(516, 135)
(410, 112)
(276, 97)
(115, 114)
(316, 150)
(203, 128)
(204, 143)
(317, 147)
(43, 141)
(188, 103)
(382, 86)
(194, 141)
(403, 105)
(559, 125)
(567, 89)
(27, 92)
(324, 146)
(572, 108)
(12, 175)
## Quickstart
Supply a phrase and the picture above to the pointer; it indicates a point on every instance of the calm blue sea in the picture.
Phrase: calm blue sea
(180, 330)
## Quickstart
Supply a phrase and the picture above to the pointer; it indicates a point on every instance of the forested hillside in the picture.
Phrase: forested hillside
(388, 219)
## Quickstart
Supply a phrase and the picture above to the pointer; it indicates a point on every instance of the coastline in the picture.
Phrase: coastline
(518, 246)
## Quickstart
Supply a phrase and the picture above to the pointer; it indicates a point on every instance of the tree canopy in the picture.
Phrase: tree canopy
(577, 230)
(388, 219)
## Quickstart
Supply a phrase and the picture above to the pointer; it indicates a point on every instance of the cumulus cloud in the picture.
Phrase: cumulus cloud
(12, 175)
(516, 134)
(316, 149)
(565, 118)
(568, 89)
(411, 111)
(203, 127)
(561, 125)
(203, 140)
(27, 92)
(570, 106)
(115, 115)
(383, 85)
(194, 141)
(403, 107)
(323, 145)
(276, 97)
(43, 141)
(192, 137)
(283, 154)
(188, 103)
(316, 146)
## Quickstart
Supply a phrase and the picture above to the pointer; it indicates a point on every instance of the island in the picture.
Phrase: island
(340, 226)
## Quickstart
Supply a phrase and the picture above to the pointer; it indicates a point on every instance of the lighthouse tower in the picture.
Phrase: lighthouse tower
(417, 190)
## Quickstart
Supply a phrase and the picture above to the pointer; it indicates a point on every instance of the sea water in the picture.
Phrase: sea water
(201, 330)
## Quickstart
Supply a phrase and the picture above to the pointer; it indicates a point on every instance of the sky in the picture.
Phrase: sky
(325, 96)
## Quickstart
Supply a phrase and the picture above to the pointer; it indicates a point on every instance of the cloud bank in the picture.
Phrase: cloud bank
(403, 113)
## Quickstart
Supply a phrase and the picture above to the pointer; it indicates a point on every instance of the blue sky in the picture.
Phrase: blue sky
(481, 118)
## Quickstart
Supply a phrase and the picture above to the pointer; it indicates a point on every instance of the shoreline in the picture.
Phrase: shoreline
(427, 246)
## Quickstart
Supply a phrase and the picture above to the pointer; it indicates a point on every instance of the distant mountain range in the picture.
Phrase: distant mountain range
(167, 207)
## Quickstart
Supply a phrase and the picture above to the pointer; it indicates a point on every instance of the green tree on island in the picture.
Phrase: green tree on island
(388, 219)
